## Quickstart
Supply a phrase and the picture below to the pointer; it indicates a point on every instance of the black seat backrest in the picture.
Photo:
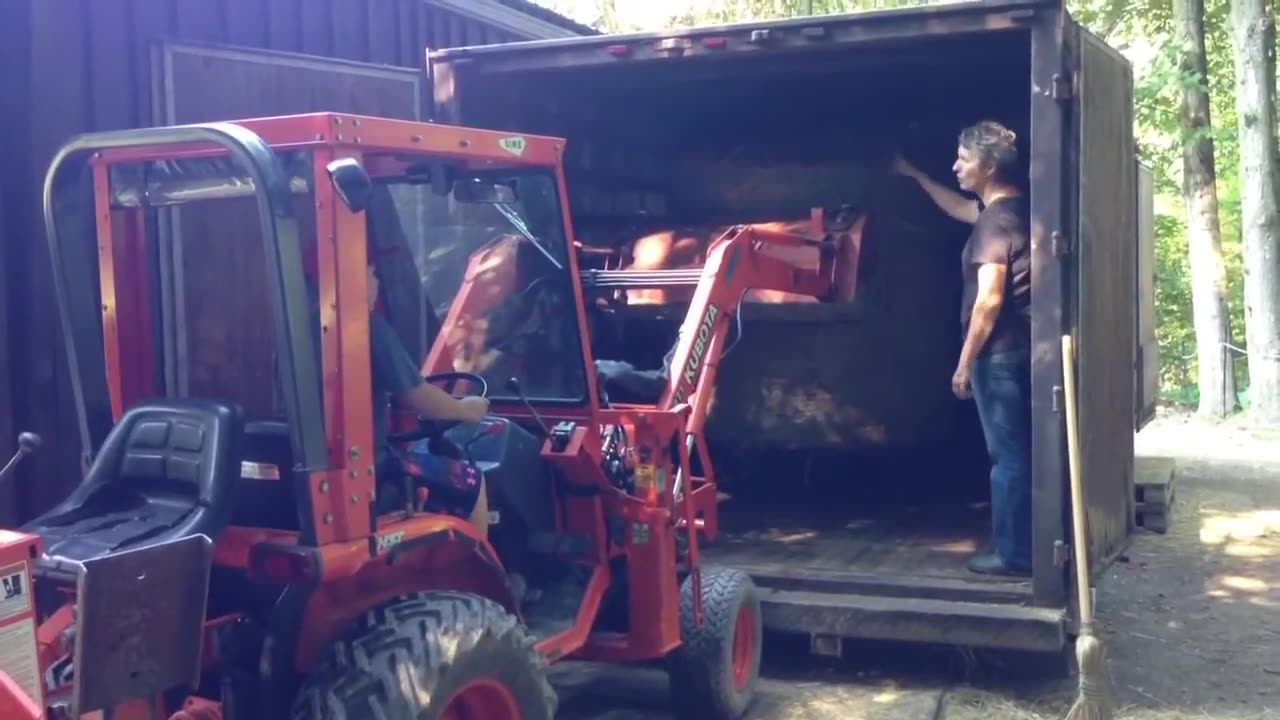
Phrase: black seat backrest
(167, 470)
(169, 455)
(266, 502)
(176, 447)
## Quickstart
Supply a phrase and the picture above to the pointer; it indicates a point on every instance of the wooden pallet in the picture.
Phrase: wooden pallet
(1154, 489)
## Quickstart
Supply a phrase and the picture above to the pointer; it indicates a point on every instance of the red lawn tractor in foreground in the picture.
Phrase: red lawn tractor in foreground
(221, 562)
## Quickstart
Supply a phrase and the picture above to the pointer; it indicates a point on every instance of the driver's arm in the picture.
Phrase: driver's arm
(394, 370)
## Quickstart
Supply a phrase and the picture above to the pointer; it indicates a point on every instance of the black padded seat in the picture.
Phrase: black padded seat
(168, 470)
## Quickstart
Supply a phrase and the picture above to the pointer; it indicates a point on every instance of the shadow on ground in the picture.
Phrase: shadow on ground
(1190, 621)
(872, 681)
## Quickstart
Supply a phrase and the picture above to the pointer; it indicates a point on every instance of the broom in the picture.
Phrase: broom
(1094, 699)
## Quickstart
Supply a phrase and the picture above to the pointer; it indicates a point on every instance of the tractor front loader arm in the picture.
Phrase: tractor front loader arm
(746, 258)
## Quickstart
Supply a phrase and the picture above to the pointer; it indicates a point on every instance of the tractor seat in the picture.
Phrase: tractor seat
(167, 470)
(623, 383)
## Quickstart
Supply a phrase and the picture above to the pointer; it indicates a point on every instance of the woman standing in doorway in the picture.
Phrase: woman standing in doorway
(994, 366)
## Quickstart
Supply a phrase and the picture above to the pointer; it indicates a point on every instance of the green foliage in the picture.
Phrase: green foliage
(1144, 32)
(744, 10)
(604, 14)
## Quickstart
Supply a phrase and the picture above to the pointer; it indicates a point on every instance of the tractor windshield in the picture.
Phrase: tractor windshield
(478, 278)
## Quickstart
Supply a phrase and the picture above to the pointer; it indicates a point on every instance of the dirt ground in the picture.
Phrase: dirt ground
(1190, 621)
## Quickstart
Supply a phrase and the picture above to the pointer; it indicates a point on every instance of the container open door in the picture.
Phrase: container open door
(1106, 286)
(1147, 360)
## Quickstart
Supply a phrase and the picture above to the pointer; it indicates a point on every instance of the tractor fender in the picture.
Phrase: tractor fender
(449, 555)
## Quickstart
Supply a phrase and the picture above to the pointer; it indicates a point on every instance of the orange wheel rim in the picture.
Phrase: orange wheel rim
(482, 699)
(744, 642)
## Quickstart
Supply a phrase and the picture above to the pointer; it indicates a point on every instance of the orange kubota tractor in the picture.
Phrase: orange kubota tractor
(217, 564)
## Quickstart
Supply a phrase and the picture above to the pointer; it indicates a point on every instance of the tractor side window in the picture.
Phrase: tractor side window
(209, 302)
(515, 314)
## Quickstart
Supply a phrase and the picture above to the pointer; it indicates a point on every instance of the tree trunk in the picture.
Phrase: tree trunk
(1204, 238)
(1253, 40)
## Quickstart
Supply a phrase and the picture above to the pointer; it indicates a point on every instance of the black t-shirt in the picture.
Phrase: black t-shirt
(1002, 235)
(393, 373)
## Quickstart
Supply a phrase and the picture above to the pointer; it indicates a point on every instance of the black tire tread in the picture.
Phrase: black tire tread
(428, 642)
(701, 685)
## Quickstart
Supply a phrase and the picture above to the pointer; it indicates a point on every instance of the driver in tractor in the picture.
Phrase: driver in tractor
(454, 486)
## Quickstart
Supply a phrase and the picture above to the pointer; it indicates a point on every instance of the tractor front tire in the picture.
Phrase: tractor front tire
(715, 671)
(427, 657)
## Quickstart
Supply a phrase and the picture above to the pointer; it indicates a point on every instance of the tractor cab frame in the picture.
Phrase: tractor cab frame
(267, 532)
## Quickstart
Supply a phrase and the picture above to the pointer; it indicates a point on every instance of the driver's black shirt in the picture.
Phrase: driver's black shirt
(393, 372)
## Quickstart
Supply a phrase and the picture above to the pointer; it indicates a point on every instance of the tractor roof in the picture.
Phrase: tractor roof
(366, 133)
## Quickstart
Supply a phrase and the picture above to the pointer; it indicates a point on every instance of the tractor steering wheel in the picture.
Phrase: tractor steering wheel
(428, 427)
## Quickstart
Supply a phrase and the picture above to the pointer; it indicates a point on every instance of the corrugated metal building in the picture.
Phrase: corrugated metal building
(78, 65)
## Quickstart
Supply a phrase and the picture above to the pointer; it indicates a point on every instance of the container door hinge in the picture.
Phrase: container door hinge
(1059, 244)
(1061, 90)
(1057, 401)
(1061, 553)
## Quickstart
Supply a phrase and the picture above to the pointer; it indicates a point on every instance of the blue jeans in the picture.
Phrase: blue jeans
(1001, 384)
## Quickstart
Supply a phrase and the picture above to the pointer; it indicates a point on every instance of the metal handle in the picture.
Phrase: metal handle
(27, 444)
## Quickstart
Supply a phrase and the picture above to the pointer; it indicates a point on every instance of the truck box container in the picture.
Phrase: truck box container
(856, 483)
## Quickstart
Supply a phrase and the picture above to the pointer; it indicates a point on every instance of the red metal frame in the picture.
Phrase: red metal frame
(341, 496)
(21, 696)
(125, 288)
(736, 263)
(346, 574)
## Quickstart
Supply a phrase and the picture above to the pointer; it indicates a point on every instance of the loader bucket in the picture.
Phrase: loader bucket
(867, 373)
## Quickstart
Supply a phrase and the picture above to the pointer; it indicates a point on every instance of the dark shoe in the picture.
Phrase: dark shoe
(991, 564)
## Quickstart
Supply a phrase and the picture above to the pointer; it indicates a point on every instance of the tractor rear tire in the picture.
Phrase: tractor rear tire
(430, 656)
(715, 671)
